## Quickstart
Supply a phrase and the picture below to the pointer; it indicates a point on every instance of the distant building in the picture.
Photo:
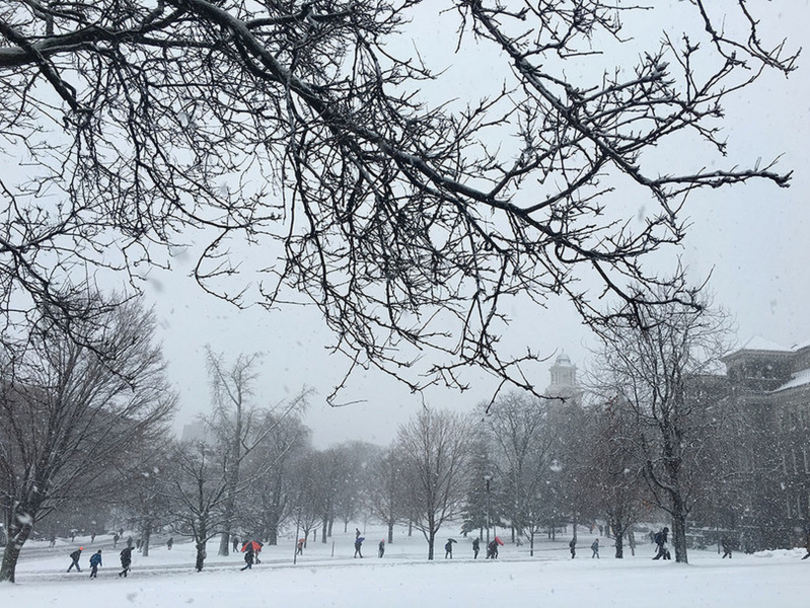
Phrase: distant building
(770, 385)
(194, 431)
(563, 379)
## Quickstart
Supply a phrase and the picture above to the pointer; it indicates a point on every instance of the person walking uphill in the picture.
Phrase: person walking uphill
(595, 549)
(126, 561)
(95, 562)
(358, 546)
(74, 557)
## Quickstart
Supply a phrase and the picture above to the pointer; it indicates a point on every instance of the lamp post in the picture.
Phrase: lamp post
(487, 479)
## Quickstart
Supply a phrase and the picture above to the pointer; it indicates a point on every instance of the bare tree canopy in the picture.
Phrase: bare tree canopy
(289, 145)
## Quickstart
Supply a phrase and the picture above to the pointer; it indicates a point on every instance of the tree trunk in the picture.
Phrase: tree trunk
(200, 562)
(11, 554)
(17, 533)
(390, 531)
(679, 536)
(147, 534)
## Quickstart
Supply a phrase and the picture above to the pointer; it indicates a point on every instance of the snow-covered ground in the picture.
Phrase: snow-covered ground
(327, 575)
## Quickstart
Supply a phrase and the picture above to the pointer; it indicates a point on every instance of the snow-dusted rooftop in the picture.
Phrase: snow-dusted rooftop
(800, 378)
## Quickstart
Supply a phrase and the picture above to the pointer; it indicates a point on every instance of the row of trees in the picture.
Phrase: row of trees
(654, 437)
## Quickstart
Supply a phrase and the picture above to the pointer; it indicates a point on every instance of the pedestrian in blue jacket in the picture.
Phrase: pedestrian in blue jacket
(95, 562)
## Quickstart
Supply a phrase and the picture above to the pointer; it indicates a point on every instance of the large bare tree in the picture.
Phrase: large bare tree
(298, 130)
(433, 452)
(663, 371)
(74, 417)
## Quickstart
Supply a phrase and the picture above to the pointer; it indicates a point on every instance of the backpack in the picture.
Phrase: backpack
(75, 555)
(659, 539)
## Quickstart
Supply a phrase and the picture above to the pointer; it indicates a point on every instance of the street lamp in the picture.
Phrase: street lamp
(487, 479)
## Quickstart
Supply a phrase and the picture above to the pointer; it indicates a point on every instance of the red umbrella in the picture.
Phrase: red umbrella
(255, 545)
(499, 541)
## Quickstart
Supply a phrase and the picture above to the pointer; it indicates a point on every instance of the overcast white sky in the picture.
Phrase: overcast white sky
(753, 239)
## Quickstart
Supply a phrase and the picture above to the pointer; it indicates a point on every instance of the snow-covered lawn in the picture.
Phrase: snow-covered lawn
(328, 576)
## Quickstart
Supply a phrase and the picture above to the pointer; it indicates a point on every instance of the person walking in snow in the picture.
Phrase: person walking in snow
(95, 562)
(448, 549)
(74, 557)
(492, 550)
(727, 548)
(381, 548)
(573, 546)
(661, 543)
(595, 549)
(358, 546)
(299, 548)
(126, 561)
(476, 546)
(169, 543)
(249, 556)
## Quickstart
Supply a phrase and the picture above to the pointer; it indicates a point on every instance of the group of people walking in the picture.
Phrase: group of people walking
(96, 562)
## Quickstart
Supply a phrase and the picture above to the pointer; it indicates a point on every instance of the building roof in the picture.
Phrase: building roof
(797, 379)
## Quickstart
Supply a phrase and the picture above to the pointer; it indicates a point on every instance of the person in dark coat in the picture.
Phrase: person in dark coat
(249, 557)
(169, 543)
(661, 543)
(476, 547)
(126, 561)
(492, 550)
(235, 544)
(358, 546)
(573, 547)
(727, 548)
(299, 548)
(595, 549)
(448, 549)
(381, 548)
(75, 559)
(95, 562)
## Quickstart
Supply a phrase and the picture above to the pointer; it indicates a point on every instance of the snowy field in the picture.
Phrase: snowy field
(328, 576)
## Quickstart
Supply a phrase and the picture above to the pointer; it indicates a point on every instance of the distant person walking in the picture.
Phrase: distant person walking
(356, 533)
(235, 544)
(358, 546)
(448, 550)
(661, 544)
(476, 546)
(492, 550)
(573, 547)
(595, 549)
(249, 556)
(95, 562)
(727, 547)
(74, 557)
(299, 548)
(381, 548)
(169, 543)
(126, 561)
(115, 540)
(807, 545)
